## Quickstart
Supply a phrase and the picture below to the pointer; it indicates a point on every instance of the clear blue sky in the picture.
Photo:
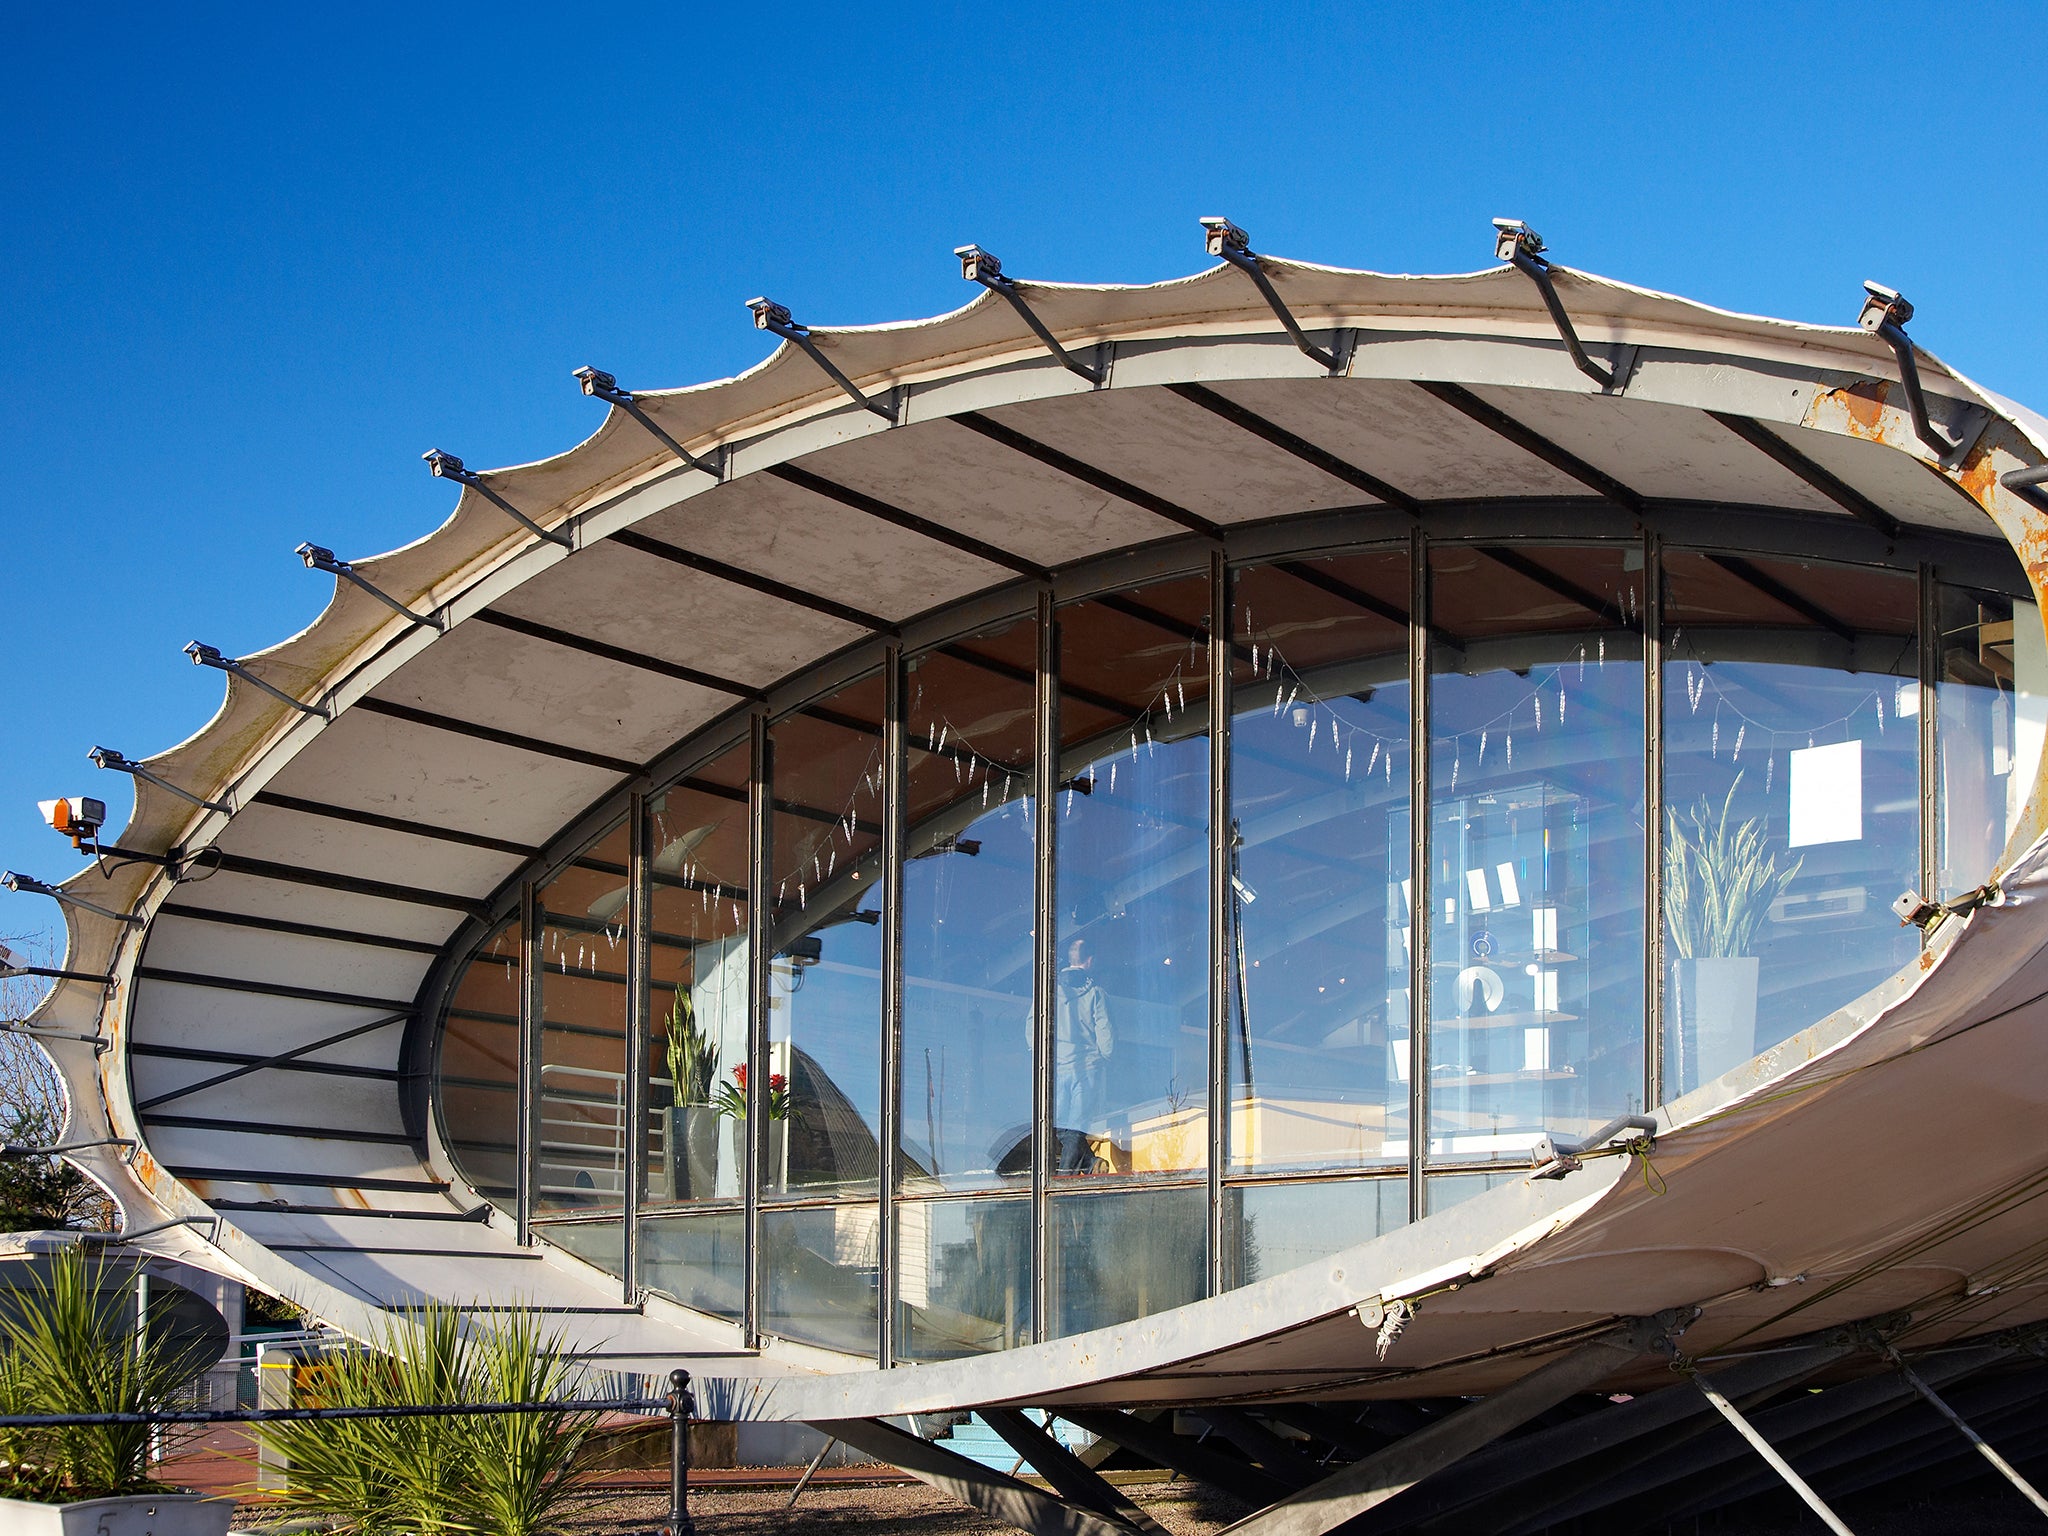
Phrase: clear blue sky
(257, 259)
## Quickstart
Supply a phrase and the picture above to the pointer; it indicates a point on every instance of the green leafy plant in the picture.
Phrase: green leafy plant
(732, 1097)
(1720, 878)
(438, 1474)
(70, 1343)
(692, 1060)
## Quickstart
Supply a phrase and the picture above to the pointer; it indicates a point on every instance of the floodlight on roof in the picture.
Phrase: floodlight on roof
(979, 266)
(204, 655)
(117, 762)
(78, 817)
(445, 466)
(1884, 314)
(1223, 238)
(1522, 248)
(600, 385)
(29, 885)
(319, 558)
(773, 317)
(14, 1150)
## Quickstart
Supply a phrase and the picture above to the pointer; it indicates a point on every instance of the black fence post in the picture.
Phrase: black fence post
(682, 1407)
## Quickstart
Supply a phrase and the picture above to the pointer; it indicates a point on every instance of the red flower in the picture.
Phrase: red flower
(739, 1075)
(776, 1082)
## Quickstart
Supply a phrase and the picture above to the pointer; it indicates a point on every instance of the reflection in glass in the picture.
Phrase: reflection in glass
(825, 972)
(584, 1137)
(967, 904)
(1535, 902)
(698, 1259)
(1319, 784)
(820, 1275)
(1120, 1254)
(1441, 1191)
(1269, 1229)
(478, 1074)
(697, 841)
(1791, 778)
(1992, 693)
(1130, 1067)
(963, 1277)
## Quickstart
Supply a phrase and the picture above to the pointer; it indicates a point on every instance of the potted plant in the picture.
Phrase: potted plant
(694, 1121)
(1720, 879)
(70, 1342)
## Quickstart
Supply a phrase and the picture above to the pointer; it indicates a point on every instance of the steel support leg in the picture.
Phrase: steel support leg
(1001, 1497)
(1177, 1453)
(2005, 1468)
(1778, 1464)
(1071, 1478)
(1273, 1453)
(1367, 1484)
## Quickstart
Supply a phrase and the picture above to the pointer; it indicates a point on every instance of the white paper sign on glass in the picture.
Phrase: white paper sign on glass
(1827, 794)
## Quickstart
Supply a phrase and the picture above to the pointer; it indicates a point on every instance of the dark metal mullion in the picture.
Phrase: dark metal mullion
(1420, 905)
(639, 1032)
(1044, 975)
(1930, 761)
(1220, 934)
(759, 936)
(532, 919)
(1653, 820)
(895, 772)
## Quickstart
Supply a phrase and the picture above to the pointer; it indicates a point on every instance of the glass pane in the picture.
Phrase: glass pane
(825, 974)
(967, 903)
(1536, 831)
(1442, 1191)
(963, 1277)
(819, 1269)
(1791, 798)
(1319, 790)
(478, 1075)
(1130, 1068)
(1992, 698)
(1126, 1254)
(697, 838)
(699, 1260)
(1269, 1229)
(583, 1134)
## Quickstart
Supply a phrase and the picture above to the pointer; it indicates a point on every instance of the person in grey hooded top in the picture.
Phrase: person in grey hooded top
(1083, 1040)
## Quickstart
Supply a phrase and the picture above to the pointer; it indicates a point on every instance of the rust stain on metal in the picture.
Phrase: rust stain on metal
(1863, 407)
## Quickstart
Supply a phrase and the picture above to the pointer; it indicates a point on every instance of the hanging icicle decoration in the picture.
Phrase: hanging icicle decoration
(1347, 765)
(1880, 714)
(1511, 749)
(1389, 769)
(1482, 748)
(1714, 742)
(1374, 763)
(1603, 651)
(1539, 712)
(1770, 763)
(1182, 688)
(1582, 663)
(831, 863)
(1454, 773)
(1740, 731)
(1112, 777)
(1313, 723)
(1560, 705)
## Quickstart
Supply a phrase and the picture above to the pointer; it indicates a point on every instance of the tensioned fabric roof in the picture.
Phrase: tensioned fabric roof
(354, 845)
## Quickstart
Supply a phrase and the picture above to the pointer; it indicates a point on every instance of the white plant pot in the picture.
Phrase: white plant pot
(145, 1514)
(1717, 1010)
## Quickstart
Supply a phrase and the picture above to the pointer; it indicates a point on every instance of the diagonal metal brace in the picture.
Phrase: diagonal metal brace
(1768, 1452)
(773, 317)
(1520, 246)
(1226, 240)
(2026, 484)
(2004, 1468)
(445, 466)
(1072, 1478)
(600, 385)
(979, 266)
(1885, 313)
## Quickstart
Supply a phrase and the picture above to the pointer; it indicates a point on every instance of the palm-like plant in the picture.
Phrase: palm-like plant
(1720, 878)
(438, 1475)
(70, 1342)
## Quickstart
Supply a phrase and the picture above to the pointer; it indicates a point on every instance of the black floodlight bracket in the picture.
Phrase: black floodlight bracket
(33, 887)
(1913, 909)
(116, 762)
(600, 385)
(1522, 248)
(979, 266)
(204, 655)
(445, 466)
(1223, 238)
(320, 558)
(11, 1150)
(775, 318)
(12, 965)
(1885, 313)
(1555, 1156)
(213, 1221)
(2026, 484)
(100, 1043)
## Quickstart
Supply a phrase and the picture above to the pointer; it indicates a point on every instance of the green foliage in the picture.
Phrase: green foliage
(438, 1475)
(692, 1061)
(1719, 880)
(69, 1344)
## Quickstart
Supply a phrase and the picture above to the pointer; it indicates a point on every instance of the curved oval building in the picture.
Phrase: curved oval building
(1263, 843)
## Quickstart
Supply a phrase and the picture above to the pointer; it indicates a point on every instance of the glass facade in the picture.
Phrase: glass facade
(1166, 937)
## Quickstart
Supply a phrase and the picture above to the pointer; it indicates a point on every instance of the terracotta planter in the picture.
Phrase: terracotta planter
(146, 1514)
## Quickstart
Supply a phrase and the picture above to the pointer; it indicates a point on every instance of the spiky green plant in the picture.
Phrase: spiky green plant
(70, 1343)
(692, 1060)
(1720, 878)
(438, 1475)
